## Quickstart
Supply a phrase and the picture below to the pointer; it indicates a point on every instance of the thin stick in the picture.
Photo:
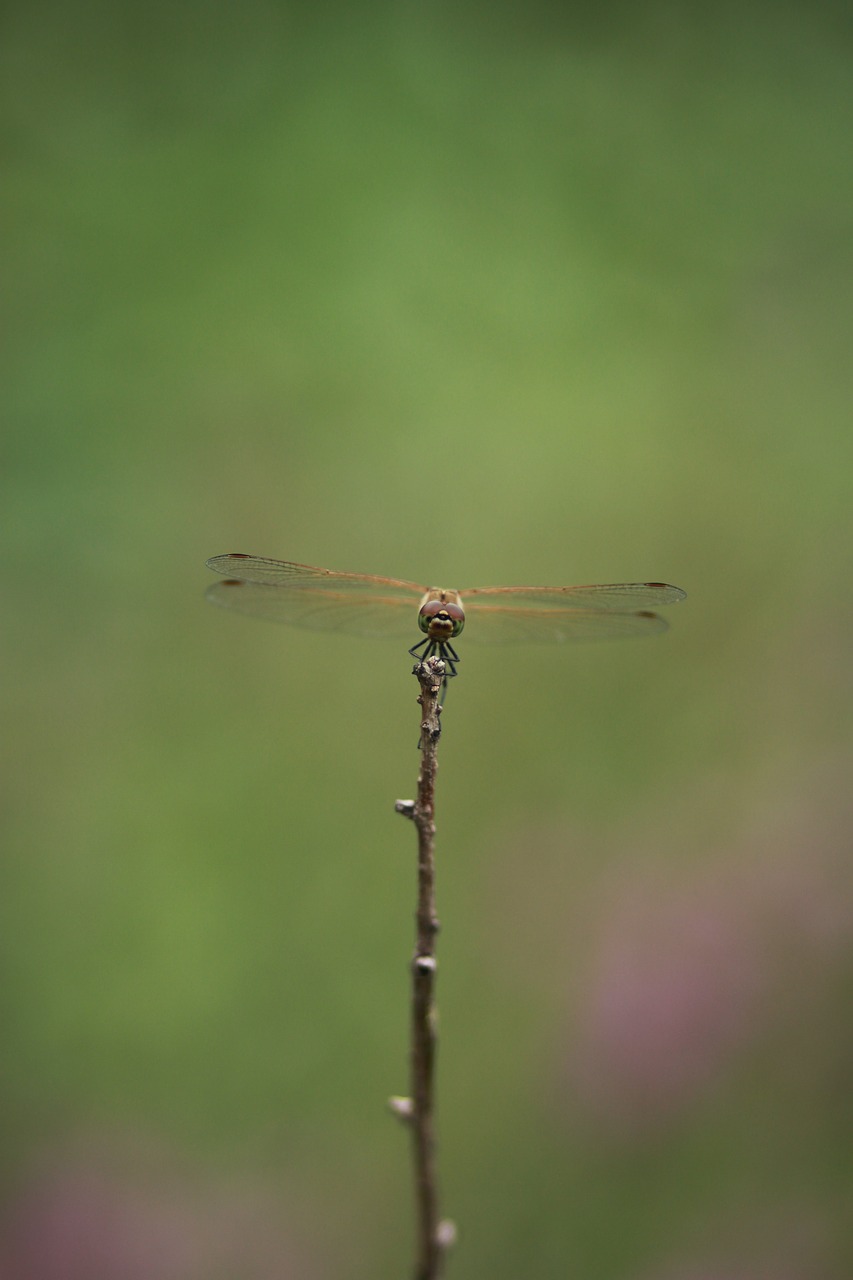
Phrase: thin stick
(433, 1236)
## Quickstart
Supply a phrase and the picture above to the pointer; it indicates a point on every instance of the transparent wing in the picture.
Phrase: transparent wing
(620, 596)
(366, 605)
(557, 615)
(363, 613)
(493, 624)
(283, 573)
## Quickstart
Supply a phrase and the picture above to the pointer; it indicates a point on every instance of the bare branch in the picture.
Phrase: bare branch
(434, 1236)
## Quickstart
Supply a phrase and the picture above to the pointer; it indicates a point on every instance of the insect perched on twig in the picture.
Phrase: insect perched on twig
(365, 605)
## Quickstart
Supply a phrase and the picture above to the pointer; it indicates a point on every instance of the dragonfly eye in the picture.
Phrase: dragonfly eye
(441, 621)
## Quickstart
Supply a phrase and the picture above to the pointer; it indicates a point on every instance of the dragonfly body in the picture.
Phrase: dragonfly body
(442, 617)
(362, 604)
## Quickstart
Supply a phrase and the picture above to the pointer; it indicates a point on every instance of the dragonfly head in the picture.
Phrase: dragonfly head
(440, 617)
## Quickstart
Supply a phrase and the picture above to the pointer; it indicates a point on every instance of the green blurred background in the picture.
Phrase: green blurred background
(463, 294)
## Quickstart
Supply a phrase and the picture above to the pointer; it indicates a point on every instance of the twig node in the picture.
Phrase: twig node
(446, 1234)
(402, 1108)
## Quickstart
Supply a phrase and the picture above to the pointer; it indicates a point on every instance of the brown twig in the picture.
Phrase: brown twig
(418, 1111)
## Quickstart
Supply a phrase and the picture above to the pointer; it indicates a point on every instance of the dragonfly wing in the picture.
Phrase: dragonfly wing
(494, 624)
(285, 574)
(364, 614)
(622, 597)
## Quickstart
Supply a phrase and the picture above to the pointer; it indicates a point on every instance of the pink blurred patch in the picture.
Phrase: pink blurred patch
(92, 1217)
(726, 1273)
(674, 991)
(685, 973)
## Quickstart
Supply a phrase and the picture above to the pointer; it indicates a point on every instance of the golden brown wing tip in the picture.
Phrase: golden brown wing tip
(215, 562)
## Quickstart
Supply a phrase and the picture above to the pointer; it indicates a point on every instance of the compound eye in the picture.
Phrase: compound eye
(440, 620)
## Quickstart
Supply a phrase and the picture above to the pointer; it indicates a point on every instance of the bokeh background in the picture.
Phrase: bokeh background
(465, 294)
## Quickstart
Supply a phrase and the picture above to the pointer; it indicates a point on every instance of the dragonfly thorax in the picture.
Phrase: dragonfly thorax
(441, 615)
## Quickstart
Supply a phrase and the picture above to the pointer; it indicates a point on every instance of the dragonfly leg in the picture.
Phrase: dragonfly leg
(450, 656)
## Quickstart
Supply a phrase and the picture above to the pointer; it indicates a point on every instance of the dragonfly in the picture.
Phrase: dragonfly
(362, 604)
